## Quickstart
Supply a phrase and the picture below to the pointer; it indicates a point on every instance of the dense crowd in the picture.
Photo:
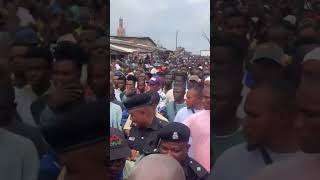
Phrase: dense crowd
(265, 71)
(53, 89)
(160, 105)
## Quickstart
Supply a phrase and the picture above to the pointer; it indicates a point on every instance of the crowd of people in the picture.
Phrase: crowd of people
(160, 105)
(53, 89)
(54, 99)
(265, 59)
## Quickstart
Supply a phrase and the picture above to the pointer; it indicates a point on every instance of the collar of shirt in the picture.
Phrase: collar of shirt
(186, 166)
(154, 124)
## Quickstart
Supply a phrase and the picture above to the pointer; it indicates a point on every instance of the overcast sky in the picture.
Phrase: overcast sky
(159, 19)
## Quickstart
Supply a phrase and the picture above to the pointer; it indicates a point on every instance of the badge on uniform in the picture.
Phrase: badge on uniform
(175, 136)
(132, 138)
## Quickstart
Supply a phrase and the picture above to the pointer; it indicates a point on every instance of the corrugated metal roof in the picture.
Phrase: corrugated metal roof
(121, 49)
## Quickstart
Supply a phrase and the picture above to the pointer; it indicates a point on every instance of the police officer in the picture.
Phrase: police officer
(174, 141)
(144, 136)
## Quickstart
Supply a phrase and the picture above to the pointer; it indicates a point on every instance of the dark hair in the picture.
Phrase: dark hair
(231, 12)
(131, 78)
(70, 51)
(40, 52)
(121, 77)
(149, 75)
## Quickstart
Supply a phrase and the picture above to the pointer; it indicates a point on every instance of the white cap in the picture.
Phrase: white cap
(291, 19)
(312, 55)
(207, 79)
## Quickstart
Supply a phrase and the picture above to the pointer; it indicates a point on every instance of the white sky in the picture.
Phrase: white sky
(159, 19)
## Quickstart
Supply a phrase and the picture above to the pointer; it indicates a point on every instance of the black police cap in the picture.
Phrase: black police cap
(175, 132)
(138, 100)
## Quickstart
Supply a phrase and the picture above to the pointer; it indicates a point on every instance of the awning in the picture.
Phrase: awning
(121, 49)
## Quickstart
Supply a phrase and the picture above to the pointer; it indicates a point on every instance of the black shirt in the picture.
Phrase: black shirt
(145, 140)
(193, 170)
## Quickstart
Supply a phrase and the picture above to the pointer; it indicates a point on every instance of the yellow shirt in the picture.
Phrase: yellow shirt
(127, 126)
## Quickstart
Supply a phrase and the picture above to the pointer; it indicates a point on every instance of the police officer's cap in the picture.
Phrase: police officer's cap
(175, 132)
(137, 101)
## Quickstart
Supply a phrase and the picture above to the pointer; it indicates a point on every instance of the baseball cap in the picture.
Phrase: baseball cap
(139, 100)
(26, 36)
(154, 81)
(270, 51)
(175, 132)
(312, 55)
(195, 78)
(119, 147)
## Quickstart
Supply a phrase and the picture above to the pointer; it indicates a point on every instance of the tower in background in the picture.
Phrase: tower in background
(121, 31)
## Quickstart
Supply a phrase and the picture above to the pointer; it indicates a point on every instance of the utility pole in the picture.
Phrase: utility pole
(177, 39)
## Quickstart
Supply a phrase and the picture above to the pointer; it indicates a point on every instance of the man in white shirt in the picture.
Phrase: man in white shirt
(154, 84)
(19, 157)
(119, 93)
(269, 131)
(194, 104)
(38, 68)
(115, 116)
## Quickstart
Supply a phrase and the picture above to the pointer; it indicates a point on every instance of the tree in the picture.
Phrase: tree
(204, 35)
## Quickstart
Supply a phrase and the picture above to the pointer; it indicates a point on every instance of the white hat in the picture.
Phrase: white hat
(312, 55)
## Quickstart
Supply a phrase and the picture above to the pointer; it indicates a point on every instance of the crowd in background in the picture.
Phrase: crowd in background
(53, 89)
(178, 88)
(265, 55)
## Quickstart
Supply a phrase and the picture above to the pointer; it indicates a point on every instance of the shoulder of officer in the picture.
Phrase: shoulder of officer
(161, 122)
(199, 170)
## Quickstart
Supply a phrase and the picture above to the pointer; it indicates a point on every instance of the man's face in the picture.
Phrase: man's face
(179, 151)
(236, 25)
(18, 65)
(154, 87)
(138, 72)
(260, 117)
(141, 78)
(121, 85)
(129, 85)
(117, 167)
(38, 71)
(141, 86)
(178, 93)
(168, 79)
(142, 116)
(206, 98)
(97, 79)
(64, 73)
(184, 69)
(192, 99)
(308, 99)
(115, 81)
(179, 79)
(226, 98)
(86, 38)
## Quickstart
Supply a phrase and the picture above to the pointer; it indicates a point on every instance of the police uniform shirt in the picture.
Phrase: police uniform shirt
(193, 170)
(145, 140)
(178, 132)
